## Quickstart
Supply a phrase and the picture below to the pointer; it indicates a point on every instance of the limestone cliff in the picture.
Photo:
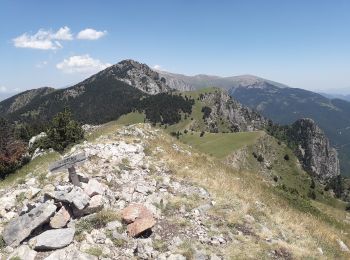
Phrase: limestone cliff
(314, 150)
(223, 107)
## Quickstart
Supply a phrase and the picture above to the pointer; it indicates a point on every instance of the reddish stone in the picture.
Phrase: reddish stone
(140, 225)
(134, 212)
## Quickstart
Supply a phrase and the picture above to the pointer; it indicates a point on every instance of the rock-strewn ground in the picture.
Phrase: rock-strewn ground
(144, 196)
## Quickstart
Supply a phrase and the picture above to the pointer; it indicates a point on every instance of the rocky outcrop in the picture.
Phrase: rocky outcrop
(223, 107)
(136, 74)
(314, 150)
(20, 228)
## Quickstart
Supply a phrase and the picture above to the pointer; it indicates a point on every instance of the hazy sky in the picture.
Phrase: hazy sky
(301, 43)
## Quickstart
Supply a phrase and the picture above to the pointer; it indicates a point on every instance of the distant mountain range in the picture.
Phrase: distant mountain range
(107, 95)
(185, 83)
(282, 104)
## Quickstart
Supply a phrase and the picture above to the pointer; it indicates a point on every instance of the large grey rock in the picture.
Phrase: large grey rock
(76, 196)
(20, 228)
(69, 253)
(23, 252)
(53, 239)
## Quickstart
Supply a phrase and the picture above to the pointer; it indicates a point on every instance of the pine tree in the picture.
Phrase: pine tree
(64, 131)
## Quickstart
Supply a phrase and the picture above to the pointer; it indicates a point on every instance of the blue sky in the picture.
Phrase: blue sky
(300, 43)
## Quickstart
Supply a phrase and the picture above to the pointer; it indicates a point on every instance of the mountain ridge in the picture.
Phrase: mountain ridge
(129, 85)
(285, 105)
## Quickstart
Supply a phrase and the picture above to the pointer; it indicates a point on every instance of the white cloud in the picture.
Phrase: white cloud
(90, 34)
(63, 34)
(158, 67)
(43, 39)
(81, 64)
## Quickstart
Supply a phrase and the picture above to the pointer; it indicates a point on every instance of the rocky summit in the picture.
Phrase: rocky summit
(144, 195)
(136, 74)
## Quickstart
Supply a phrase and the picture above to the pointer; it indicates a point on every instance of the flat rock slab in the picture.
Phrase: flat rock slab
(23, 252)
(69, 253)
(53, 239)
(135, 211)
(20, 228)
(76, 196)
(60, 219)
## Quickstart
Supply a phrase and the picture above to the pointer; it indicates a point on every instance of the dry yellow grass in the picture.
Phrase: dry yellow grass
(238, 194)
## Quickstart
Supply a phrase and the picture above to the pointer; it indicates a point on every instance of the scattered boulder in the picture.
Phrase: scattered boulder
(60, 219)
(140, 225)
(135, 211)
(23, 252)
(53, 239)
(94, 188)
(20, 228)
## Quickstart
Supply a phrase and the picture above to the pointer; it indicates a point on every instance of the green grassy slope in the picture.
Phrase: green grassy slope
(220, 145)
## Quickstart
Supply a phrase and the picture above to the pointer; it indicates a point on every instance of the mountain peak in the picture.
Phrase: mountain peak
(136, 74)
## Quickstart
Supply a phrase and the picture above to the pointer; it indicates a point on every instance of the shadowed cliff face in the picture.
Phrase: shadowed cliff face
(314, 150)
